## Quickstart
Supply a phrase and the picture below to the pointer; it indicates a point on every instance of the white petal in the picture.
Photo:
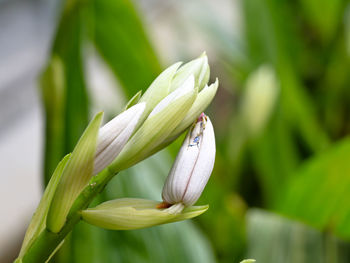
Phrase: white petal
(203, 167)
(185, 88)
(178, 178)
(192, 167)
(114, 135)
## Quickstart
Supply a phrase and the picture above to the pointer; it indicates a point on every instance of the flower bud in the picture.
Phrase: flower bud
(193, 165)
(163, 119)
(167, 114)
(203, 99)
(113, 136)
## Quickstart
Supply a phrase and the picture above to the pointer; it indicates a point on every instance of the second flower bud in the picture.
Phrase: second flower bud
(193, 165)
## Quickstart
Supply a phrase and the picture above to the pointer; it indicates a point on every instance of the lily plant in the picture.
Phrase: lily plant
(173, 104)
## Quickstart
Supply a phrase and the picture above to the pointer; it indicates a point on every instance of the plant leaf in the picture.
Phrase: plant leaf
(120, 38)
(318, 192)
(38, 222)
(76, 175)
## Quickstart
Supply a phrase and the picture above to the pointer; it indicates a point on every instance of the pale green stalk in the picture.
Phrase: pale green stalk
(46, 243)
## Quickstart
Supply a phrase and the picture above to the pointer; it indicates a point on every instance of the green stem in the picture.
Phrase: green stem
(46, 243)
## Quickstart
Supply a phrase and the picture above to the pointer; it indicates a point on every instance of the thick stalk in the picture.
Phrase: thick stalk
(47, 241)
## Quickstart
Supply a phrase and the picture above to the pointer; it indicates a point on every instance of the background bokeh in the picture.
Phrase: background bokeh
(280, 189)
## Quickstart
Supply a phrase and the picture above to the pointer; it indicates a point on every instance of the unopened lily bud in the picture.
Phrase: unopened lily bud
(172, 105)
(198, 67)
(259, 99)
(113, 136)
(193, 165)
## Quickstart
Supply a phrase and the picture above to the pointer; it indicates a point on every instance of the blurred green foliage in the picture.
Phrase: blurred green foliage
(295, 164)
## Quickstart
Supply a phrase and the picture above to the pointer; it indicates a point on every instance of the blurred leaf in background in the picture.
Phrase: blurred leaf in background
(272, 238)
(120, 38)
(63, 90)
(318, 191)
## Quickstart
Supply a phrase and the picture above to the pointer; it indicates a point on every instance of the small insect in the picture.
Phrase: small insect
(202, 119)
(195, 141)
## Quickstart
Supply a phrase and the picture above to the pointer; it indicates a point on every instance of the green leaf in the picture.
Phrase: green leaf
(68, 47)
(318, 192)
(63, 89)
(76, 175)
(275, 157)
(52, 86)
(66, 97)
(121, 40)
(324, 15)
(133, 213)
(38, 222)
(274, 239)
(271, 39)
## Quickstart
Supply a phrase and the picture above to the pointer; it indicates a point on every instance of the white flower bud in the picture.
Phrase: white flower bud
(193, 165)
(113, 136)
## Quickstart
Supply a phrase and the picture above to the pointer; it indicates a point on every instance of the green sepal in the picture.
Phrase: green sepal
(75, 177)
(134, 100)
(158, 90)
(153, 131)
(133, 213)
(248, 261)
(198, 67)
(204, 98)
(38, 222)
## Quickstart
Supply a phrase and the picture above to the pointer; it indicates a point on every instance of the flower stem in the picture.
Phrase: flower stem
(46, 243)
